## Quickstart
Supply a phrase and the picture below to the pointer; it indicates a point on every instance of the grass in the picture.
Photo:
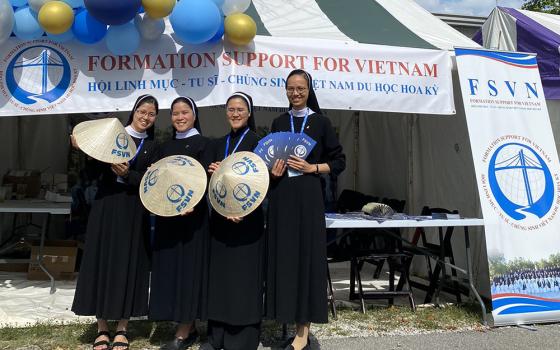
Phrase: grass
(378, 321)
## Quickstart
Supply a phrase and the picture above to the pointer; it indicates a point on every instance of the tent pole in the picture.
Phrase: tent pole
(410, 146)
(356, 127)
(19, 150)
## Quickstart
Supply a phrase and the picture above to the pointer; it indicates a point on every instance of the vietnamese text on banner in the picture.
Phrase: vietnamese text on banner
(45, 77)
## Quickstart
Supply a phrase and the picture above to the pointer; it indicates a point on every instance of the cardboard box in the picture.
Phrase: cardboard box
(31, 179)
(59, 257)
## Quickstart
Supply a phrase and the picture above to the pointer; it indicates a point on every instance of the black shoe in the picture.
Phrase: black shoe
(206, 346)
(306, 347)
(181, 344)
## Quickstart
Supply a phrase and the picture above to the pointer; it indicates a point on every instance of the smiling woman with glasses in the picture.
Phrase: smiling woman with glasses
(114, 274)
(296, 285)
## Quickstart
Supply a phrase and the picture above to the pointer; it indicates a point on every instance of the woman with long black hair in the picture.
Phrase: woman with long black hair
(235, 292)
(180, 258)
(296, 285)
(114, 275)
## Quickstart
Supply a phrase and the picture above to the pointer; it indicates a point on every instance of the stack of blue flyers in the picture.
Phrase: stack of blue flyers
(282, 145)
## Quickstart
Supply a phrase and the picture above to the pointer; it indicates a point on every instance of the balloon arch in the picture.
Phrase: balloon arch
(125, 23)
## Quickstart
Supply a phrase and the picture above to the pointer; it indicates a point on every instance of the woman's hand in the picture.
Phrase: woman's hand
(278, 168)
(236, 219)
(73, 142)
(301, 165)
(187, 212)
(120, 169)
(213, 167)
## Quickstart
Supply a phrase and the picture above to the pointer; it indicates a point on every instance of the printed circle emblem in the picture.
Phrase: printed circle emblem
(38, 72)
(220, 189)
(175, 193)
(300, 151)
(152, 177)
(521, 181)
(241, 192)
(121, 141)
(240, 168)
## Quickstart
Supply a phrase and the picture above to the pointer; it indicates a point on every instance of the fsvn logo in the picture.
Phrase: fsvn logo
(38, 72)
(520, 181)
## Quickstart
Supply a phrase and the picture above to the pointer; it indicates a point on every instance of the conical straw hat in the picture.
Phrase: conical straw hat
(239, 186)
(105, 140)
(173, 185)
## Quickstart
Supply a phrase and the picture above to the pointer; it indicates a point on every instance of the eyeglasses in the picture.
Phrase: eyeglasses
(238, 110)
(298, 89)
(144, 113)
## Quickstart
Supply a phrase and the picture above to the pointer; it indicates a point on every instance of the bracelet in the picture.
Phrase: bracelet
(317, 171)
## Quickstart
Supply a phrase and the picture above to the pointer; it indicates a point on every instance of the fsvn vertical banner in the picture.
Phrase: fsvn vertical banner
(518, 176)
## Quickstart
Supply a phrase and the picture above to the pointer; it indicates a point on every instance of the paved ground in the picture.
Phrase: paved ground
(539, 337)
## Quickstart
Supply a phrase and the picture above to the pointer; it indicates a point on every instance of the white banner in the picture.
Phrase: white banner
(518, 177)
(44, 77)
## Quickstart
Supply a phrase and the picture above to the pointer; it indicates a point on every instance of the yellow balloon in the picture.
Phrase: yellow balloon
(158, 8)
(240, 28)
(56, 17)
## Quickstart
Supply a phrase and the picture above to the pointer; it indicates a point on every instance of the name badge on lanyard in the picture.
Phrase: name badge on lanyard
(292, 172)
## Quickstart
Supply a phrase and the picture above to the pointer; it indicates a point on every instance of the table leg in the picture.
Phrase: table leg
(40, 255)
(470, 276)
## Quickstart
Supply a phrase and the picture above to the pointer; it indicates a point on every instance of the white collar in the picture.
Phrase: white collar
(139, 135)
(301, 112)
(186, 134)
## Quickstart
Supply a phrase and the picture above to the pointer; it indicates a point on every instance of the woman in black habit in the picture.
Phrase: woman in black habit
(114, 274)
(180, 258)
(235, 292)
(296, 286)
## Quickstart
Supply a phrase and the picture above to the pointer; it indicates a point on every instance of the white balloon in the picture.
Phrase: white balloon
(232, 6)
(149, 28)
(37, 4)
(6, 20)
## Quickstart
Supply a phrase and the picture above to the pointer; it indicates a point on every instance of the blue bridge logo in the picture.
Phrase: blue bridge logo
(36, 73)
(520, 181)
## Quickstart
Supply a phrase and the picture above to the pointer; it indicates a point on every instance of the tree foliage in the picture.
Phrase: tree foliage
(548, 6)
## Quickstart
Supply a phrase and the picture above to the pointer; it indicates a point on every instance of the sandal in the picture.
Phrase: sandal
(121, 344)
(102, 342)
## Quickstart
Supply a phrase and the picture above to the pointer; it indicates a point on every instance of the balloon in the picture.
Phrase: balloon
(56, 17)
(26, 25)
(37, 4)
(75, 3)
(6, 20)
(240, 29)
(61, 38)
(158, 8)
(195, 21)
(87, 29)
(18, 3)
(149, 28)
(232, 6)
(219, 34)
(113, 12)
(123, 39)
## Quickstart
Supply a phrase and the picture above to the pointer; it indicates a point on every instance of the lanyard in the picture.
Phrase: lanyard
(137, 152)
(238, 142)
(304, 121)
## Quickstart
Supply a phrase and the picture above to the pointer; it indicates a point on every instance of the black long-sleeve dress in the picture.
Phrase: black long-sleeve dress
(296, 285)
(114, 274)
(180, 251)
(235, 293)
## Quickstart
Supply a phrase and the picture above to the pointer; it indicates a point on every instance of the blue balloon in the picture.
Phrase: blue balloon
(18, 3)
(87, 29)
(113, 12)
(26, 26)
(61, 38)
(195, 21)
(74, 3)
(219, 34)
(123, 39)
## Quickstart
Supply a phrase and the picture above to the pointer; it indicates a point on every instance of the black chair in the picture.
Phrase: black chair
(437, 276)
(373, 246)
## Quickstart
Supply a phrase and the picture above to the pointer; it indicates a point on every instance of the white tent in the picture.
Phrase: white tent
(424, 159)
